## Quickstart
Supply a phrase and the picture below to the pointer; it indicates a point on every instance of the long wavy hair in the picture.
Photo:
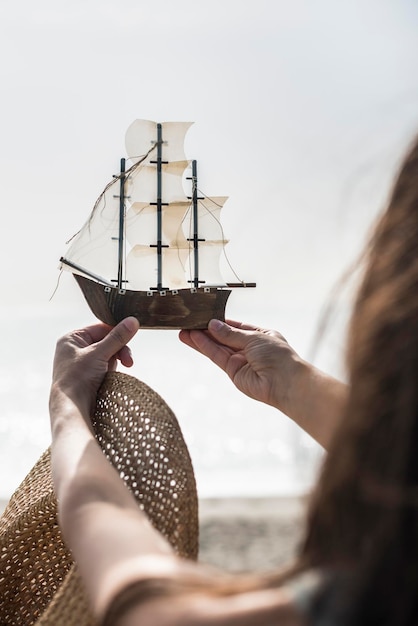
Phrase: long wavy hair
(363, 518)
(362, 524)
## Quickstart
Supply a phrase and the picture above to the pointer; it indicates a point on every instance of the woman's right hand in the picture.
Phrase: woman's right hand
(259, 362)
(262, 365)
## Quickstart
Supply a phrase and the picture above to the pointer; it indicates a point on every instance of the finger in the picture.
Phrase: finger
(227, 335)
(189, 338)
(186, 338)
(117, 338)
(243, 325)
(94, 333)
(193, 339)
(112, 365)
(216, 352)
(125, 356)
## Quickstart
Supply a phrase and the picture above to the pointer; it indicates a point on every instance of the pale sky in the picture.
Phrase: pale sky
(297, 104)
(302, 111)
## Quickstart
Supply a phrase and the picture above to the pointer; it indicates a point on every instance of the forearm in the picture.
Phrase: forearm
(93, 501)
(71, 437)
(205, 607)
(315, 401)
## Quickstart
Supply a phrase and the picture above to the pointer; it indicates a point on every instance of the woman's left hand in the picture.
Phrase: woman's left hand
(83, 357)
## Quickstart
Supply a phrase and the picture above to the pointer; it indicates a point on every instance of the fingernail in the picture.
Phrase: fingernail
(131, 324)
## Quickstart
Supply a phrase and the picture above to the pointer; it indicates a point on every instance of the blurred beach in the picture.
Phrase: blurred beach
(248, 534)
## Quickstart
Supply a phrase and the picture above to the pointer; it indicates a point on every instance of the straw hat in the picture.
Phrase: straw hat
(140, 435)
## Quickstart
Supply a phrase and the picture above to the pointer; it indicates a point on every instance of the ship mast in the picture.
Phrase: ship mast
(121, 222)
(195, 238)
(159, 204)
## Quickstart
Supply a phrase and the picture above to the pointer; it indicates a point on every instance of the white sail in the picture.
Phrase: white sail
(172, 220)
(211, 240)
(142, 268)
(143, 183)
(208, 271)
(208, 219)
(95, 249)
(142, 224)
(141, 233)
(141, 137)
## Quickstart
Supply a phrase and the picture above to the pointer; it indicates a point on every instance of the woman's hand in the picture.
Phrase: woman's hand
(259, 362)
(262, 365)
(83, 357)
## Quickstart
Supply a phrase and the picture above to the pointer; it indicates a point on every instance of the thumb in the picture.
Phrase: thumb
(118, 337)
(227, 335)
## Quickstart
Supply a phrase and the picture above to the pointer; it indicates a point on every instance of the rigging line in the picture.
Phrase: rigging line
(117, 177)
(133, 167)
(189, 242)
(209, 198)
(187, 214)
(239, 279)
(179, 240)
(180, 235)
(94, 209)
(56, 286)
(222, 233)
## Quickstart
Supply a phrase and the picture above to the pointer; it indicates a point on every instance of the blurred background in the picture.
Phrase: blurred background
(302, 110)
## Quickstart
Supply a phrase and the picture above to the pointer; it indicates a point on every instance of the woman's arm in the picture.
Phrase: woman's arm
(100, 520)
(202, 608)
(262, 365)
(117, 550)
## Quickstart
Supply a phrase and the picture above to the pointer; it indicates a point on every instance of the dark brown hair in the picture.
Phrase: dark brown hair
(364, 514)
(362, 525)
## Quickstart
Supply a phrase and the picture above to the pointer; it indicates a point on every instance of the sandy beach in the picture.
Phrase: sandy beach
(247, 534)
(250, 534)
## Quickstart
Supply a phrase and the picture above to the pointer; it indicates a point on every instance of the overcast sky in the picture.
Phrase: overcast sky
(301, 109)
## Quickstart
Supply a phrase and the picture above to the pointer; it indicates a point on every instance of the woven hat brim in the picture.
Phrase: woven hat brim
(138, 432)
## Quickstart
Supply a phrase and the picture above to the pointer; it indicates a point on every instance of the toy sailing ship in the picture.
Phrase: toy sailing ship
(147, 249)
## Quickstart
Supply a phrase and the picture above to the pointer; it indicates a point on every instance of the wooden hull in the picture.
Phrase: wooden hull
(185, 308)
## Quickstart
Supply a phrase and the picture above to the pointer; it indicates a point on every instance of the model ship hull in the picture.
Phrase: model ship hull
(176, 309)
